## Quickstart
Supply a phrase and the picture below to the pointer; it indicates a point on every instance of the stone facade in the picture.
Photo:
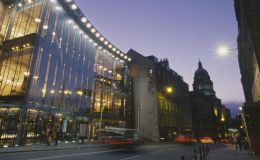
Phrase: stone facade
(160, 99)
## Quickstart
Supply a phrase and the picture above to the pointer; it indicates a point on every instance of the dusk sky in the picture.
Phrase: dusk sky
(181, 30)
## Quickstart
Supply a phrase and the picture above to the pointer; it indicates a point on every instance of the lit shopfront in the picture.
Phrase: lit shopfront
(56, 72)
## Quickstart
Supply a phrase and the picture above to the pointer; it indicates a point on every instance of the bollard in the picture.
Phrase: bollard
(195, 155)
(203, 151)
(182, 158)
(200, 153)
(207, 149)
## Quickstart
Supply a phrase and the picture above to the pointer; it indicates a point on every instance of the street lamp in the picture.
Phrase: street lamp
(223, 51)
(169, 90)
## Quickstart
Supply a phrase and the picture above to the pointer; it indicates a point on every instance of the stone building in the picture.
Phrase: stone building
(248, 44)
(209, 116)
(160, 99)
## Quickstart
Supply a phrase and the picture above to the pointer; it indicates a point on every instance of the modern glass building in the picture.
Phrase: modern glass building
(56, 73)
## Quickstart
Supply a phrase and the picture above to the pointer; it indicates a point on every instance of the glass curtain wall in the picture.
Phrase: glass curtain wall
(17, 23)
(55, 73)
(110, 93)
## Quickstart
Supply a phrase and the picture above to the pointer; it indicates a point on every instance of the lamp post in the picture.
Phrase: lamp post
(169, 90)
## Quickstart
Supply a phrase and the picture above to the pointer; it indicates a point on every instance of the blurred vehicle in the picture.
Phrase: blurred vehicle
(206, 140)
(121, 136)
(225, 140)
(185, 139)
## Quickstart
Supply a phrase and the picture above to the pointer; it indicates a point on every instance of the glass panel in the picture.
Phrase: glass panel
(24, 21)
(14, 72)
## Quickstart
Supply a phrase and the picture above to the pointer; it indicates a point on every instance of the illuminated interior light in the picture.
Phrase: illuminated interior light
(58, 8)
(35, 77)
(101, 39)
(84, 19)
(97, 35)
(88, 25)
(45, 27)
(74, 7)
(106, 42)
(66, 92)
(105, 69)
(121, 54)
(43, 91)
(9, 81)
(93, 30)
(110, 46)
(110, 71)
(117, 52)
(95, 44)
(68, 1)
(20, 4)
(125, 57)
(26, 73)
(129, 59)
(37, 20)
(53, 33)
(52, 91)
(80, 93)
(70, 21)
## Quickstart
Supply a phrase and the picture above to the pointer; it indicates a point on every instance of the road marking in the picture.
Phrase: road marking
(131, 157)
(79, 154)
(171, 149)
(156, 152)
(150, 147)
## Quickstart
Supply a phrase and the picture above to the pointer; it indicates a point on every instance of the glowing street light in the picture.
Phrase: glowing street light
(169, 90)
(223, 51)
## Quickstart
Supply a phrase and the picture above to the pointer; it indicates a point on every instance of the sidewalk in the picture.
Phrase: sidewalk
(227, 153)
(44, 147)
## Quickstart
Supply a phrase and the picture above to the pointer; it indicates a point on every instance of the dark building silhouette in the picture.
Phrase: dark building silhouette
(248, 44)
(209, 116)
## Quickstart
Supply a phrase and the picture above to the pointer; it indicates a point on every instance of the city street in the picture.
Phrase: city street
(129, 80)
(152, 151)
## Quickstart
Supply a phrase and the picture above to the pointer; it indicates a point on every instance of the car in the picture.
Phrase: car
(225, 140)
(185, 139)
(206, 140)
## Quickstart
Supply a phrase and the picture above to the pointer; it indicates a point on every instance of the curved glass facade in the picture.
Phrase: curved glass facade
(55, 74)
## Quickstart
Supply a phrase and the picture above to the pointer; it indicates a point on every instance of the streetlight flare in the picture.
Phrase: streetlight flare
(169, 90)
(223, 51)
